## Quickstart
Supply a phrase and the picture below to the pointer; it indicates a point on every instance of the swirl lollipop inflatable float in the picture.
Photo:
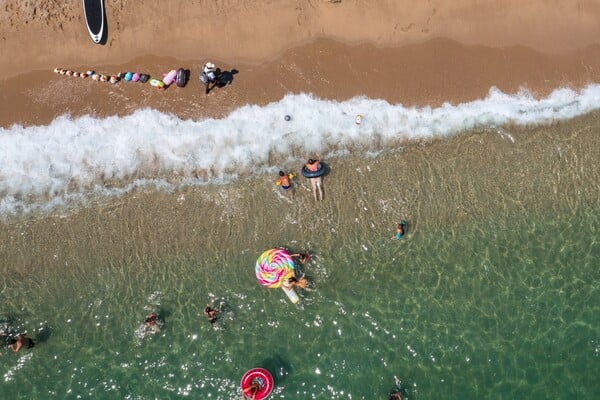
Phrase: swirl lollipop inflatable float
(273, 268)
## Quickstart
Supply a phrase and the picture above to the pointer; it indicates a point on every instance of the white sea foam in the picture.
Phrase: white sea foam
(70, 160)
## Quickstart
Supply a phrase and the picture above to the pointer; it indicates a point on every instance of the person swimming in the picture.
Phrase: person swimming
(21, 341)
(300, 282)
(211, 314)
(252, 389)
(395, 395)
(401, 229)
(302, 257)
(151, 323)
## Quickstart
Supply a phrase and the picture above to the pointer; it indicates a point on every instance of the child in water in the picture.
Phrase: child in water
(285, 182)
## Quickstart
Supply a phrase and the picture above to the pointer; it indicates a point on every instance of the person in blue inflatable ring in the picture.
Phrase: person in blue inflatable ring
(313, 165)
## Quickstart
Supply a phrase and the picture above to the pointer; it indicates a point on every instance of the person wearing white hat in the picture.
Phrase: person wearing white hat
(208, 76)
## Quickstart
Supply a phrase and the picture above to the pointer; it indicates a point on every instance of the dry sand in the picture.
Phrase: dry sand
(416, 53)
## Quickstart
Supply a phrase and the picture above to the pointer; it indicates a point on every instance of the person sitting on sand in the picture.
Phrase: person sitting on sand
(21, 341)
(313, 165)
(211, 314)
(285, 182)
(251, 390)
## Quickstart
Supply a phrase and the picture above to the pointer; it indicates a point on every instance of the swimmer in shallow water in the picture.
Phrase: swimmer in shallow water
(300, 282)
(400, 229)
(395, 396)
(151, 323)
(211, 314)
(151, 319)
(302, 257)
(21, 341)
(251, 390)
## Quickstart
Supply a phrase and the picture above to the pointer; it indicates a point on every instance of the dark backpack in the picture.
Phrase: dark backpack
(181, 78)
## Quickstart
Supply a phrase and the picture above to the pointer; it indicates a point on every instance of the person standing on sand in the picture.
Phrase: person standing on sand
(313, 165)
(285, 182)
(208, 76)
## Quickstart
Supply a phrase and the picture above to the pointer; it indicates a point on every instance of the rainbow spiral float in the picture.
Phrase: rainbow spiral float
(273, 267)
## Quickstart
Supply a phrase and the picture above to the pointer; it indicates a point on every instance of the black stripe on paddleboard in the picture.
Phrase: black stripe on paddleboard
(94, 18)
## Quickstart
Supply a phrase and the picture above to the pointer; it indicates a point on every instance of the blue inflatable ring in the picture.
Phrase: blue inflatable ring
(313, 174)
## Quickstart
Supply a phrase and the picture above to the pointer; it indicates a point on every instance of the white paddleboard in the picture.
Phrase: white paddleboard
(291, 294)
(93, 10)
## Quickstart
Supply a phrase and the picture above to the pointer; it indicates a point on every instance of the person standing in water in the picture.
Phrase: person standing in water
(285, 182)
(313, 165)
(152, 323)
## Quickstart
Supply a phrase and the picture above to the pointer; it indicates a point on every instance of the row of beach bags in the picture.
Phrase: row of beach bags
(178, 76)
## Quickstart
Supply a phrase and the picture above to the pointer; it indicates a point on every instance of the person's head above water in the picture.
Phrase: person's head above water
(151, 317)
(395, 396)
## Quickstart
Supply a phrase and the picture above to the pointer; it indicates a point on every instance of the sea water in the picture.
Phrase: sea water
(492, 293)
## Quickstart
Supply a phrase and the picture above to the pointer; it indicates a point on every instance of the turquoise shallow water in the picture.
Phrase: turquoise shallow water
(492, 294)
(499, 309)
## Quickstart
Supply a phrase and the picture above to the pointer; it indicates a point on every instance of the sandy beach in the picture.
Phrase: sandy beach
(423, 54)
